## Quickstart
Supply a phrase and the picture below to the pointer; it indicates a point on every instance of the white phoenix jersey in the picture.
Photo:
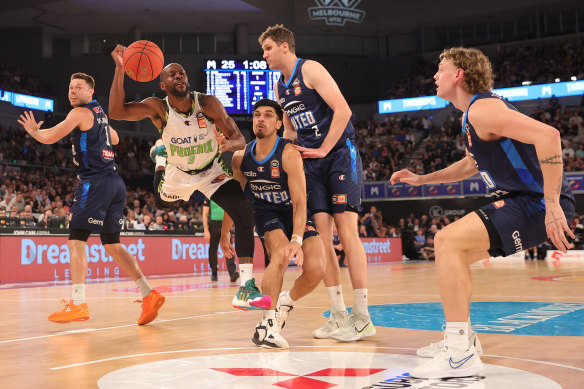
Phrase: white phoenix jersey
(189, 140)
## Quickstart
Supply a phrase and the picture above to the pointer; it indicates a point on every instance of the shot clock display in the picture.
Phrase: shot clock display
(238, 84)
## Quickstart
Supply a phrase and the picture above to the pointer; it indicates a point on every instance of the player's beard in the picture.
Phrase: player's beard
(173, 91)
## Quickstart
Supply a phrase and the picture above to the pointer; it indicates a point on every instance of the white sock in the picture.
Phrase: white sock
(336, 296)
(245, 273)
(285, 299)
(457, 335)
(78, 294)
(144, 286)
(360, 304)
(269, 314)
(160, 161)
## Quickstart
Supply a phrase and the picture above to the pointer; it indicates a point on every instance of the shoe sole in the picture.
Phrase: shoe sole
(64, 321)
(159, 303)
(356, 338)
(469, 372)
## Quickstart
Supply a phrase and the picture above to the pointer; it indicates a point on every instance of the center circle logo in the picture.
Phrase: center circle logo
(313, 370)
(435, 211)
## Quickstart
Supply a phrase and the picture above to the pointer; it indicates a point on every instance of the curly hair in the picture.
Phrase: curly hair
(478, 72)
(279, 34)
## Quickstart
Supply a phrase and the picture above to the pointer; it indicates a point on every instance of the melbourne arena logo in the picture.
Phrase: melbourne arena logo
(336, 12)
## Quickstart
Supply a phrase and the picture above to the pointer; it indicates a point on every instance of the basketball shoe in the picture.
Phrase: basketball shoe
(268, 335)
(356, 327)
(335, 321)
(249, 297)
(450, 363)
(282, 311)
(158, 150)
(70, 312)
(434, 349)
(150, 306)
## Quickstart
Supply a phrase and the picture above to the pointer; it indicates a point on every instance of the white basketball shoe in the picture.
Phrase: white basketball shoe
(335, 321)
(450, 363)
(434, 349)
(356, 327)
(267, 335)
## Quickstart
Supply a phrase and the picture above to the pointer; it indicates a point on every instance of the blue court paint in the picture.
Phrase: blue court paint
(516, 318)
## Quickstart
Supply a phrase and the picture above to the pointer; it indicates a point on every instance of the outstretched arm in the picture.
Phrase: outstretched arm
(464, 168)
(134, 111)
(78, 117)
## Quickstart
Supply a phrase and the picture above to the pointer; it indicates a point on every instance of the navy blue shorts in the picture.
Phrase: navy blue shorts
(268, 220)
(99, 204)
(334, 183)
(518, 223)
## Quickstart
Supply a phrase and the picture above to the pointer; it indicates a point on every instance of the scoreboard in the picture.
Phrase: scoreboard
(238, 84)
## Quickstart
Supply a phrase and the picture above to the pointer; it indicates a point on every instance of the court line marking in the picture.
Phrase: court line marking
(110, 328)
(296, 347)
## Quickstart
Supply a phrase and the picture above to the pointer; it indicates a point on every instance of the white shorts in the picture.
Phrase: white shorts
(178, 185)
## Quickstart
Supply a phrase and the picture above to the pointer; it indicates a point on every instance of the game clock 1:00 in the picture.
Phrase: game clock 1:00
(238, 84)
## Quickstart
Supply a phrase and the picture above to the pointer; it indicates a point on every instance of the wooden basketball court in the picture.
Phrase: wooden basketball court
(198, 320)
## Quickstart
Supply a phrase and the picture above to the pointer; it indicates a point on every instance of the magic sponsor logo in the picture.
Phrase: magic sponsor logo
(33, 253)
(337, 12)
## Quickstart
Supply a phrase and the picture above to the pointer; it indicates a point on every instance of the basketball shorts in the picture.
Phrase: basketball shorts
(98, 204)
(334, 183)
(518, 223)
(179, 185)
(268, 220)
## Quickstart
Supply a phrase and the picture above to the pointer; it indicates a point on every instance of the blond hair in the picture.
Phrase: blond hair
(86, 77)
(279, 34)
(478, 72)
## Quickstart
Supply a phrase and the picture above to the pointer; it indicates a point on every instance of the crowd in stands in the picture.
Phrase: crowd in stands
(538, 63)
(14, 79)
(417, 233)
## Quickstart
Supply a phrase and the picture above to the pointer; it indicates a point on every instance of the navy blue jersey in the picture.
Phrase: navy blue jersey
(507, 166)
(92, 150)
(310, 114)
(266, 180)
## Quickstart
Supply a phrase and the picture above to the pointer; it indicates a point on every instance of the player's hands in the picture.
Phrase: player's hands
(226, 246)
(294, 250)
(407, 177)
(221, 140)
(207, 235)
(118, 55)
(29, 123)
(310, 153)
(556, 225)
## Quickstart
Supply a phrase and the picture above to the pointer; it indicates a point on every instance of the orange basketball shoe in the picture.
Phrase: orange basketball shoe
(150, 306)
(70, 312)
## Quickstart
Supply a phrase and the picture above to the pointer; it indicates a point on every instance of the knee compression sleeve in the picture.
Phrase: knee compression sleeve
(110, 237)
(81, 235)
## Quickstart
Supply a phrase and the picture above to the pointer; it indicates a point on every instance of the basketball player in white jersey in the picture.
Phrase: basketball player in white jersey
(188, 122)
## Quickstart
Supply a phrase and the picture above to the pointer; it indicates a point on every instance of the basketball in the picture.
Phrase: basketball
(143, 61)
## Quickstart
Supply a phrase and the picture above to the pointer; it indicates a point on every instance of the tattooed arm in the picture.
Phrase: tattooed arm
(492, 120)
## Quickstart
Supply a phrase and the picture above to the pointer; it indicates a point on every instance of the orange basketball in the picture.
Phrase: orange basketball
(143, 61)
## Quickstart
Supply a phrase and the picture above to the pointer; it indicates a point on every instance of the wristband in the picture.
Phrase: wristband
(296, 238)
